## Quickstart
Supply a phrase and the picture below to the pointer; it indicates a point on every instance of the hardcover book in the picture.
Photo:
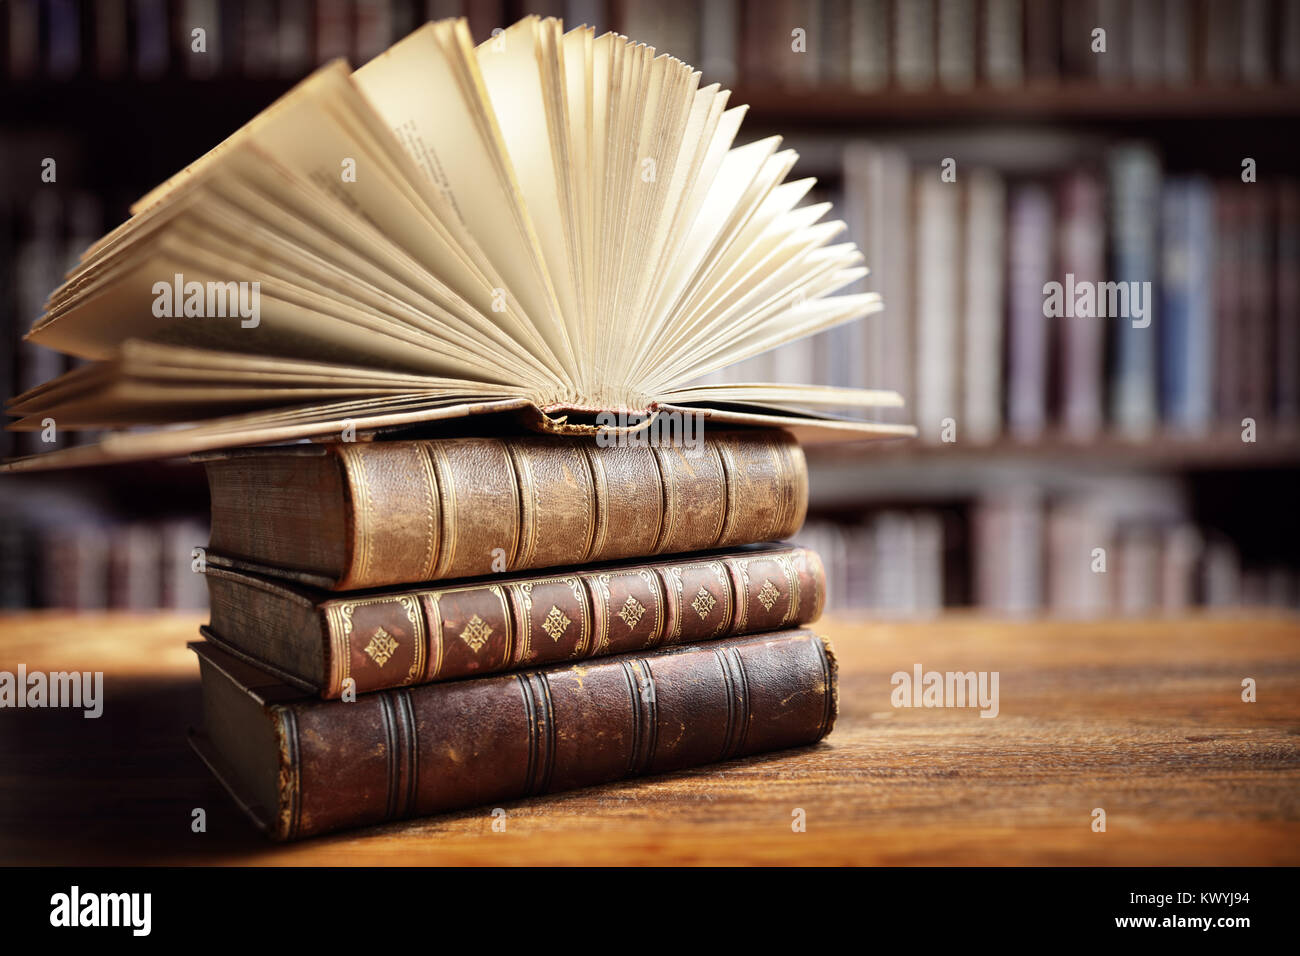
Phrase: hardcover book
(551, 226)
(301, 766)
(364, 641)
(343, 515)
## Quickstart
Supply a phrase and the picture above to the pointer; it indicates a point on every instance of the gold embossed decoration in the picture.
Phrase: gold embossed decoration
(631, 612)
(381, 646)
(476, 633)
(704, 603)
(768, 594)
(556, 623)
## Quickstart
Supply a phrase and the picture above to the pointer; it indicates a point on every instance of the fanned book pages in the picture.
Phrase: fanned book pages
(554, 226)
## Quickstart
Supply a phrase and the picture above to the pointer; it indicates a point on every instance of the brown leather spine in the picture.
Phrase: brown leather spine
(419, 636)
(460, 507)
(418, 751)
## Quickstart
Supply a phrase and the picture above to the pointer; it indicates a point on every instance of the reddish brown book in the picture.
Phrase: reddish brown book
(338, 645)
(301, 766)
(350, 515)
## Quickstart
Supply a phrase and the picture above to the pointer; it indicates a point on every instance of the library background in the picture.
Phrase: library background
(978, 150)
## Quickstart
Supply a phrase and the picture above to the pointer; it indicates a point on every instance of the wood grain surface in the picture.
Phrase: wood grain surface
(1141, 718)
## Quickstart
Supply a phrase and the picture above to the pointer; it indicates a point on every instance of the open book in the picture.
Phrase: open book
(551, 225)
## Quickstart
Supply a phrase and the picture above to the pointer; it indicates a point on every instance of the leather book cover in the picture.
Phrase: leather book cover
(336, 644)
(300, 766)
(353, 515)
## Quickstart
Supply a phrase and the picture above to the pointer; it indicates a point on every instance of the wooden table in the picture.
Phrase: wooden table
(1143, 719)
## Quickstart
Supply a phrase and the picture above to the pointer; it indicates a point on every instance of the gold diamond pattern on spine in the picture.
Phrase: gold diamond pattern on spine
(768, 594)
(475, 633)
(631, 612)
(381, 646)
(555, 623)
(704, 602)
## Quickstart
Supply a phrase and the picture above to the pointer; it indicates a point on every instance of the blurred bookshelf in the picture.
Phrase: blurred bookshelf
(1070, 432)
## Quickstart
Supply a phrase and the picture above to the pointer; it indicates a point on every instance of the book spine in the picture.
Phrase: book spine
(1187, 273)
(983, 305)
(426, 750)
(1029, 267)
(937, 305)
(1287, 291)
(1135, 180)
(445, 633)
(1081, 254)
(422, 511)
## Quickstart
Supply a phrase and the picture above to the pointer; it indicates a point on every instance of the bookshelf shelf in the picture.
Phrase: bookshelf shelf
(1221, 451)
(1047, 103)
(814, 104)
(854, 475)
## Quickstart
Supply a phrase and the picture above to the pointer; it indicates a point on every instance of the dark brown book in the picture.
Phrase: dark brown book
(336, 644)
(351, 515)
(301, 766)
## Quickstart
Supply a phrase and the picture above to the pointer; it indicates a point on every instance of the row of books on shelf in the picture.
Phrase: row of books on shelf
(841, 44)
(41, 236)
(1007, 44)
(58, 551)
(1099, 300)
(260, 39)
(1021, 552)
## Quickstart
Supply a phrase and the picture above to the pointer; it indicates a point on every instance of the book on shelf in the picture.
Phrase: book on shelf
(1080, 252)
(849, 44)
(1187, 301)
(983, 305)
(329, 643)
(1030, 226)
(551, 227)
(299, 766)
(1134, 195)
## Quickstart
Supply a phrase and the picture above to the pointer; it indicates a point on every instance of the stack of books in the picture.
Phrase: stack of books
(365, 663)
(484, 282)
